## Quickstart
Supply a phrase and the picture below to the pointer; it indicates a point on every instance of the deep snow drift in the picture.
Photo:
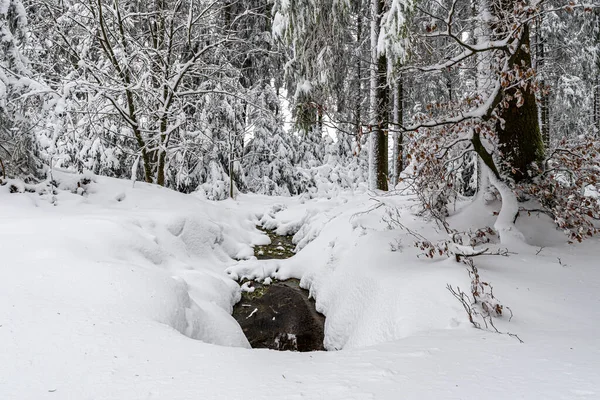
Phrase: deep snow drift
(122, 291)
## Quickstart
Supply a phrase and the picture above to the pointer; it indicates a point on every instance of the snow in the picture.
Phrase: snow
(125, 292)
(510, 207)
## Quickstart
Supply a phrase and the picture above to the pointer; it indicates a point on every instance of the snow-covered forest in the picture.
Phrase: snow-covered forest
(417, 181)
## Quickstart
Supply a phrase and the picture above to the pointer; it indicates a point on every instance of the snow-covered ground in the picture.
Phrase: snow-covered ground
(125, 292)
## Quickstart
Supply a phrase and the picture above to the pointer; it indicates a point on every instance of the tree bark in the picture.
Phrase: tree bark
(597, 83)
(544, 103)
(597, 105)
(359, 92)
(398, 136)
(378, 136)
(518, 129)
(124, 75)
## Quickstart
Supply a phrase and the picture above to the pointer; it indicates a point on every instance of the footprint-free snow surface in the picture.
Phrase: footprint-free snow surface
(115, 291)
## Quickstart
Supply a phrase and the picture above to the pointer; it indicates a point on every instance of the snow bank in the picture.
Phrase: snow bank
(368, 293)
(105, 285)
(127, 251)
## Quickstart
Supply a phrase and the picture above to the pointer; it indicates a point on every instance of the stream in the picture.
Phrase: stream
(279, 315)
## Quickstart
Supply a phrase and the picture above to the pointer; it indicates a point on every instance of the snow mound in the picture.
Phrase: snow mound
(105, 284)
(132, 252)
(365, 301)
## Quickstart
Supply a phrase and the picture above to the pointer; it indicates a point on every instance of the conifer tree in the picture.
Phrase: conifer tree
(20, 101)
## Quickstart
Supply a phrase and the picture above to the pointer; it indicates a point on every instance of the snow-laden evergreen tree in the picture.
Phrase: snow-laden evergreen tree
(316, 38)
(327, 40)
(389, 49)
(145, 65)
(138, 80)
(269, 159)
(20, 103)
(187, 94)
(566, 52)
(345, 167)
(79, 131)
(218, 130)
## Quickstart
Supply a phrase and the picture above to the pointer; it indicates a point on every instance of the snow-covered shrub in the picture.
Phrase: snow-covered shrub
(342, 170)
(216, 183)
(268, 160)
(438, 168)
(481, 305)
(569, 186)
(20, 99)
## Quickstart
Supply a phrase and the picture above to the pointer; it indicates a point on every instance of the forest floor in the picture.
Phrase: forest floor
(110, 290)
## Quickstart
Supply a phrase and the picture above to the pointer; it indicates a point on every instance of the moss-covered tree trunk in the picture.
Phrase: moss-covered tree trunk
(518, 129)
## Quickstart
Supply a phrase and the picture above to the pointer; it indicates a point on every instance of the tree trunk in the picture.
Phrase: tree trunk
(359, 93)
(124, 75)
(162, 152)
(597, 83)
(481, 35)
(544, 103)
(398, 159)
(519, 136)
(597, 104)
(163, 43)
(378, 155)
(231, 173)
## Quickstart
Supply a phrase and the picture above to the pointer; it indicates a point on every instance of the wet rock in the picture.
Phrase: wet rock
(280, 316)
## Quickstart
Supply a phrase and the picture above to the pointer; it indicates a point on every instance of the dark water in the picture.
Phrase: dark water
(280, 315)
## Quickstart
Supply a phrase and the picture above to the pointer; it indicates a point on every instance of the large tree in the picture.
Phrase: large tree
(147, 64)
(380, 92)
(517, 125)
